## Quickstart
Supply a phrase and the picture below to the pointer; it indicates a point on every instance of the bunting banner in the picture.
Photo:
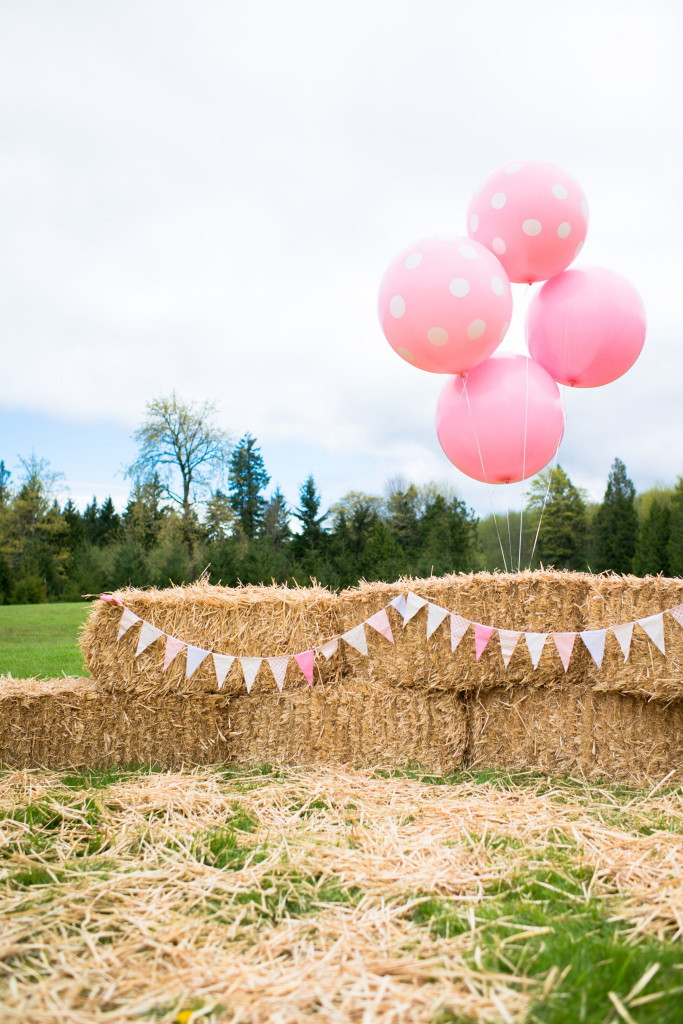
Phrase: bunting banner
(406, 606)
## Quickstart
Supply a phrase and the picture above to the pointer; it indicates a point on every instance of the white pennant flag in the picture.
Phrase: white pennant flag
(250, 667)
(458, 629)
(677, 613)
(222, 664)
(435, 616)
(654, 627)
(195, 656)
(148, 634)
(399, 603)
(330, 648)
(278, 666)
(128, 619)
(594, 640)
(623, 635)
(509, 639)
(413, 605)
(535, 643)
(356, 637)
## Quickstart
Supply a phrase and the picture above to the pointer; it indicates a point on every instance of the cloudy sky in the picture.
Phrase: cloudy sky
(203, 197)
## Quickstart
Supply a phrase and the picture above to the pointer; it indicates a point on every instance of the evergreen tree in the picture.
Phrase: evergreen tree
(562, 536)
(403, 513)
(652, 548)
(248, 478)
(276, 520)
(616, 523)
(312, 533)
(219, 518)
(144, 514)
(676, 536)
(4, 484)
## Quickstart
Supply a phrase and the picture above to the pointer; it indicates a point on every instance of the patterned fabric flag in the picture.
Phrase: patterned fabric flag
(399, 603)
(677, 613)
(535, 643)
(278, 666)
(509, 638)
(435, 616)
(195, 656)
(250, 667)
(458, 630)
(594, 639)
(222, 663)
(380, 622)
(305, 661)
(330, 648)
(173, 648)
(356, 637)
(148, 634)
(654, 627)
(482, 635)
(413, 605)
(565, 645)
(624, 635)
(128, 619)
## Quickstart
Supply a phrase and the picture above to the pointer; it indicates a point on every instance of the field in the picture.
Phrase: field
(40, 640)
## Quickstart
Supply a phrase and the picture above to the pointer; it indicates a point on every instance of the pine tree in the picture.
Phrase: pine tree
(562, 536)
(312, 533)
(676, 538)
(248, 478)
(616, 523)
(652, 548)
(276, 520)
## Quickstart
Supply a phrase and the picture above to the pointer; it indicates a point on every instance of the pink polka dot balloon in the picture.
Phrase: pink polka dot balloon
(445, 304)
(533, 216)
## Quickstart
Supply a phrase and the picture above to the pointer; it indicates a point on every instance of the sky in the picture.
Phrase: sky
(203, 197)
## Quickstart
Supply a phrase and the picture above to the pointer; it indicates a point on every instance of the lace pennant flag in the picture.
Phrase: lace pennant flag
(677, 613)
(195, 656)
(509, 638)
(399, 603)
(173, 649)
(458, 630)
(624, 635)
(380, 622)
(565, 645)
(435, 616)
(278, 666)
(482, 635)
(148, 634)
(128, 619)
(330, 648)
(305, 661)
(594, 640)
(654, 627)
(250, 667)
(356, 637)
(413, 605)
(535, 643)
(222, 663)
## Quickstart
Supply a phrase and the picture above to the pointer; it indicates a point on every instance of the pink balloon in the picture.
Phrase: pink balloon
(586, 327)
(445, 305)
(513, 404)
(533, 216)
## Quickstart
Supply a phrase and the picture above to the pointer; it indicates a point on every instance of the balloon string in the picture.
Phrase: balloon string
(526, 421)
(550, 480)
(483, 469)
(507, 513)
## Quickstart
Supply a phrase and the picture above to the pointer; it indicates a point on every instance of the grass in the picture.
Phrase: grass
(40, 640)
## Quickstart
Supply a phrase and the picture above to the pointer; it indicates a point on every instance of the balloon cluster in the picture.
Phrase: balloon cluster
(445, 305)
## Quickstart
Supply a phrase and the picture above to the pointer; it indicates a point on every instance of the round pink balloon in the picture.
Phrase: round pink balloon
(586, 327)
(533, 216)
(445, 304)
(514, 404)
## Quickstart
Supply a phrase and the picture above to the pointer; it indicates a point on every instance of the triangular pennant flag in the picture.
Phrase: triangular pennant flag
(565, 645)
(458, 630)
(148, 634)
(356, 637)
(128, 619)
(173, 648)
(330, 648)
(305, 661)
(509, 639)
(594, 639)
(250, 667)
(654, 627)
(435, 616)
(399, 603)
(413, 605)
(677, 613)
(222, 663)
(535, 643)
(195, 656)
(482, 635)
(380, 622)
(624, 634)
(109, 599)
(278, 666)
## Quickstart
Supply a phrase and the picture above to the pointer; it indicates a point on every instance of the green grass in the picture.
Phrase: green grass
(40, 640)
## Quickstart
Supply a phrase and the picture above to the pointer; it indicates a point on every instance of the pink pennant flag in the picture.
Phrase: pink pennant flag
(654, 627)
(380, 622)
(399, 603)
(278, 666)
(222, 664)
(624, 634)
(565, 645)
(535, 643)
(677, 613)
(356, 637)
(330, 648)
(128, 619)
(250, 667)
(435, 616)
(305, 661)
(509, 639)
(109, 599)
(195, 656)
(148, 634)
(458, 630)
(594, 640)
(413, 605)
(482, 635)
(173, 648)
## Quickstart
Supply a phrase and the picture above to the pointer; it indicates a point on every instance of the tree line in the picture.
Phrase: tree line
(201, 504)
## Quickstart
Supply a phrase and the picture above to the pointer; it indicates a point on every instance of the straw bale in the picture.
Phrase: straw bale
(576, 729)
